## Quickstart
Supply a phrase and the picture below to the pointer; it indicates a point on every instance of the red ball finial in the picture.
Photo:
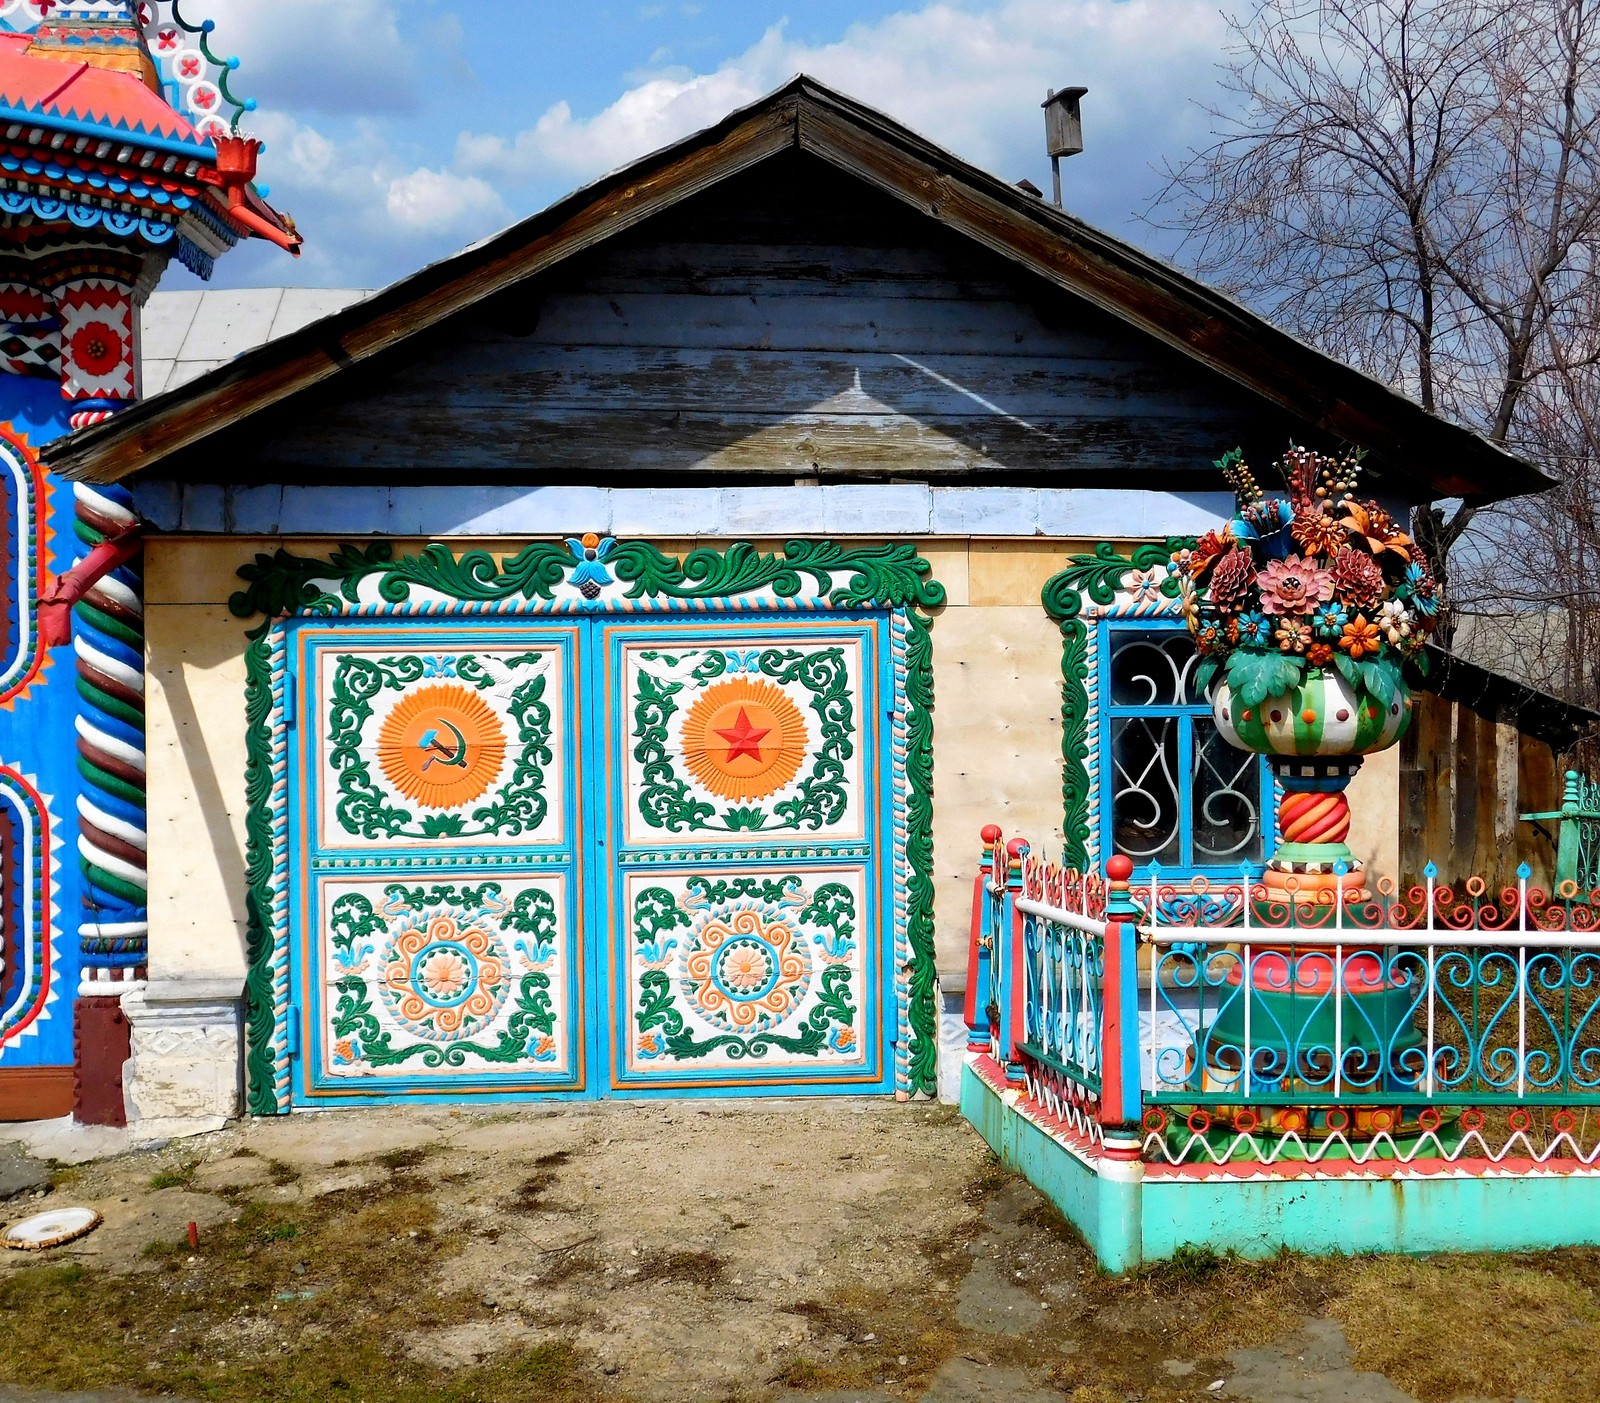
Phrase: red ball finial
(1016, 847)
(991, 834)
(1120, 868)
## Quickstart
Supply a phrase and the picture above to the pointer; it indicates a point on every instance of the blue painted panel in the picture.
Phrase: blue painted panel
(38, 754)
(465, 913)
(356, 1032)
(697, 1048)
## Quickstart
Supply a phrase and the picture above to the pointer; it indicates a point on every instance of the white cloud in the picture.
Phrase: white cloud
(310, 56)
(441, 202)
(970, 78)
(367, 215)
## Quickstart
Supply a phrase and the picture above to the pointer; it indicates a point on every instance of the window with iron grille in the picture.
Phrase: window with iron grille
(1173, 791)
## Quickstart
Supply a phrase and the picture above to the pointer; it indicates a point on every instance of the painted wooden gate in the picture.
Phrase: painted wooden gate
(589, 856)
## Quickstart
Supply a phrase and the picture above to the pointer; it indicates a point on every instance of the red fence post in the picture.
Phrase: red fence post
(1121, 1091)
(1013, 1029)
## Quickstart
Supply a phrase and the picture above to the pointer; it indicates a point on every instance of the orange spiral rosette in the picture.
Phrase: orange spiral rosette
(746, 973)
(445, 979)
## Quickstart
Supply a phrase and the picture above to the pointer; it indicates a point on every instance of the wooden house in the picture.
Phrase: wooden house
(584, 668)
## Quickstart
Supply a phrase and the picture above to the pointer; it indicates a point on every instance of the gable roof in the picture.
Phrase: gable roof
(1440, 458)
(84, 98)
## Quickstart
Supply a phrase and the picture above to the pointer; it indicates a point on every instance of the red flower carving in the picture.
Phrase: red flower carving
(98, 349)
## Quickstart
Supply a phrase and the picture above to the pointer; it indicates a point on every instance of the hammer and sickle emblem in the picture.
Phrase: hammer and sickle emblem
(439, 754)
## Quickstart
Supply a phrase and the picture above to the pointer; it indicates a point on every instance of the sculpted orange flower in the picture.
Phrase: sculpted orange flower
(1319, 655)
(1316, 532)
(1360, 638)
(1207, 551)
(1375, 529)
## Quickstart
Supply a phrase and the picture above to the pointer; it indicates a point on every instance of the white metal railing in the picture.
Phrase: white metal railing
(1418, 1013)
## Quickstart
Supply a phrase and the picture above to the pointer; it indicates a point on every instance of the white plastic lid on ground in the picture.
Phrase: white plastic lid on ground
(52, 1229)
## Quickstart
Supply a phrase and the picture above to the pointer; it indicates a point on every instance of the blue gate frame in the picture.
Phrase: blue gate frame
(602, 579)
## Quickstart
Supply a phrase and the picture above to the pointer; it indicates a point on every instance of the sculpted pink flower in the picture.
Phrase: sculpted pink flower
(1293, 586)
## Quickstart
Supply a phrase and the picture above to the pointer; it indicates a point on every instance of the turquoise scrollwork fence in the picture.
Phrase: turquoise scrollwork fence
(1577, 834)
(1361, 1021)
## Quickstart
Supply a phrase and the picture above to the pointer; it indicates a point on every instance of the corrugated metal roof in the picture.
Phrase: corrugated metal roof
(186, 334)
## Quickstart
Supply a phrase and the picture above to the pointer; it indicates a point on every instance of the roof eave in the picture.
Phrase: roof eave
(1139, 289)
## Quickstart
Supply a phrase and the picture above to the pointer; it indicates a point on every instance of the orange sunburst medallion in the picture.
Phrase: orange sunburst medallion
(744, 739)
(442, 746)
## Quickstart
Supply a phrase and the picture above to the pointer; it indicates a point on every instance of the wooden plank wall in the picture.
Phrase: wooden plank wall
(790, 324)
(1464, 779)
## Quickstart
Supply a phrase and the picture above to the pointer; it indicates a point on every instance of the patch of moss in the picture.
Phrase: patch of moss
(180, 1176)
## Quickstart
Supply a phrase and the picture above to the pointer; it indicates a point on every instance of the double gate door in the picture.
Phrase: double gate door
(589, 856)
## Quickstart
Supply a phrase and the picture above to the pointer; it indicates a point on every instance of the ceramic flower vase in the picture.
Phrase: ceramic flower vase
(1316, 737)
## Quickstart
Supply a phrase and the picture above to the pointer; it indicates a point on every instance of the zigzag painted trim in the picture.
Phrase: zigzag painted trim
(27, 482)
(36, 901)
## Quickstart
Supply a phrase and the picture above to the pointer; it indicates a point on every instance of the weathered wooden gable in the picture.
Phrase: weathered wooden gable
(790, 323)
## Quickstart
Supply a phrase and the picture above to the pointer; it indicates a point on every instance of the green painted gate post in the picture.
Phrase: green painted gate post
(1120, 1244)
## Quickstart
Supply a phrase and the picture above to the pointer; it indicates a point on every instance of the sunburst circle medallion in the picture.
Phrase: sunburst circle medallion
(744, 739)
(442, 746)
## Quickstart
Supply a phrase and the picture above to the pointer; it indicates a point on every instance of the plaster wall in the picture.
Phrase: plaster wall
(997, 677)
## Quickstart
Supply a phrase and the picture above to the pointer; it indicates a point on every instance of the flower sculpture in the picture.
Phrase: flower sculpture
(1306, 609)
(1312, 579)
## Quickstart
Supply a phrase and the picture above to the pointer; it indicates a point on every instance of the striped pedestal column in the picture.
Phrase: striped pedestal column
(108, 640)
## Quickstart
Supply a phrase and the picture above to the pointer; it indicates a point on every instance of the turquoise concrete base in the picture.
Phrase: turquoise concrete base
(1145, 1217)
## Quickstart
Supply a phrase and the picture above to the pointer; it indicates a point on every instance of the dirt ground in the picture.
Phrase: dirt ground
(658, 1252)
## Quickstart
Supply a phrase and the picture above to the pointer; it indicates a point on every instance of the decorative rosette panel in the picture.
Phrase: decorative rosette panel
(196, 76)
(760, 971)
(442, 749)
(747, 742)
(463, 979)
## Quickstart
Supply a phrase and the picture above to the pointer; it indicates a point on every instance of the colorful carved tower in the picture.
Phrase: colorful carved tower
(119, 151)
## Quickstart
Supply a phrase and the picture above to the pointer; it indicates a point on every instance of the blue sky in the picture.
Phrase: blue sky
(402, 130)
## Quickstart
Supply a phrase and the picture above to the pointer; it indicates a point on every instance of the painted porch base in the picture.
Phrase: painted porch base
(1130, 1218)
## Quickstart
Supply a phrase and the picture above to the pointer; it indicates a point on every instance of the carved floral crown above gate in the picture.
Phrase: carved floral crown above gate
(588, 572)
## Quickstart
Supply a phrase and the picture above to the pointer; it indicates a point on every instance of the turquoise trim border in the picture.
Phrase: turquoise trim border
(1143, 1219)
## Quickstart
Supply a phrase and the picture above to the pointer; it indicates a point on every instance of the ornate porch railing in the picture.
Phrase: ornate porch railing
(1354, 1023)
(1577, 833)
(1051, 987)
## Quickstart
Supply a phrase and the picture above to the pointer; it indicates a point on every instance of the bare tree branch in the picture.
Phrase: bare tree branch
(1414, 186)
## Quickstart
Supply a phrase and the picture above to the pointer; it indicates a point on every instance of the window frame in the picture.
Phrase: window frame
(1106, 713)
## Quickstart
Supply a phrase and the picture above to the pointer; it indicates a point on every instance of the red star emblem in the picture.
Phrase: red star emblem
(743, 738)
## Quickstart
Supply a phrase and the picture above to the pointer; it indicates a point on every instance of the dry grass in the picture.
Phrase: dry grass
(695, 1268)
(1522, 1327)
(865, 1337)
(290, 1302)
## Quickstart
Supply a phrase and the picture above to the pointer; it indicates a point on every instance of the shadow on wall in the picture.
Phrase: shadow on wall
(206, 650)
